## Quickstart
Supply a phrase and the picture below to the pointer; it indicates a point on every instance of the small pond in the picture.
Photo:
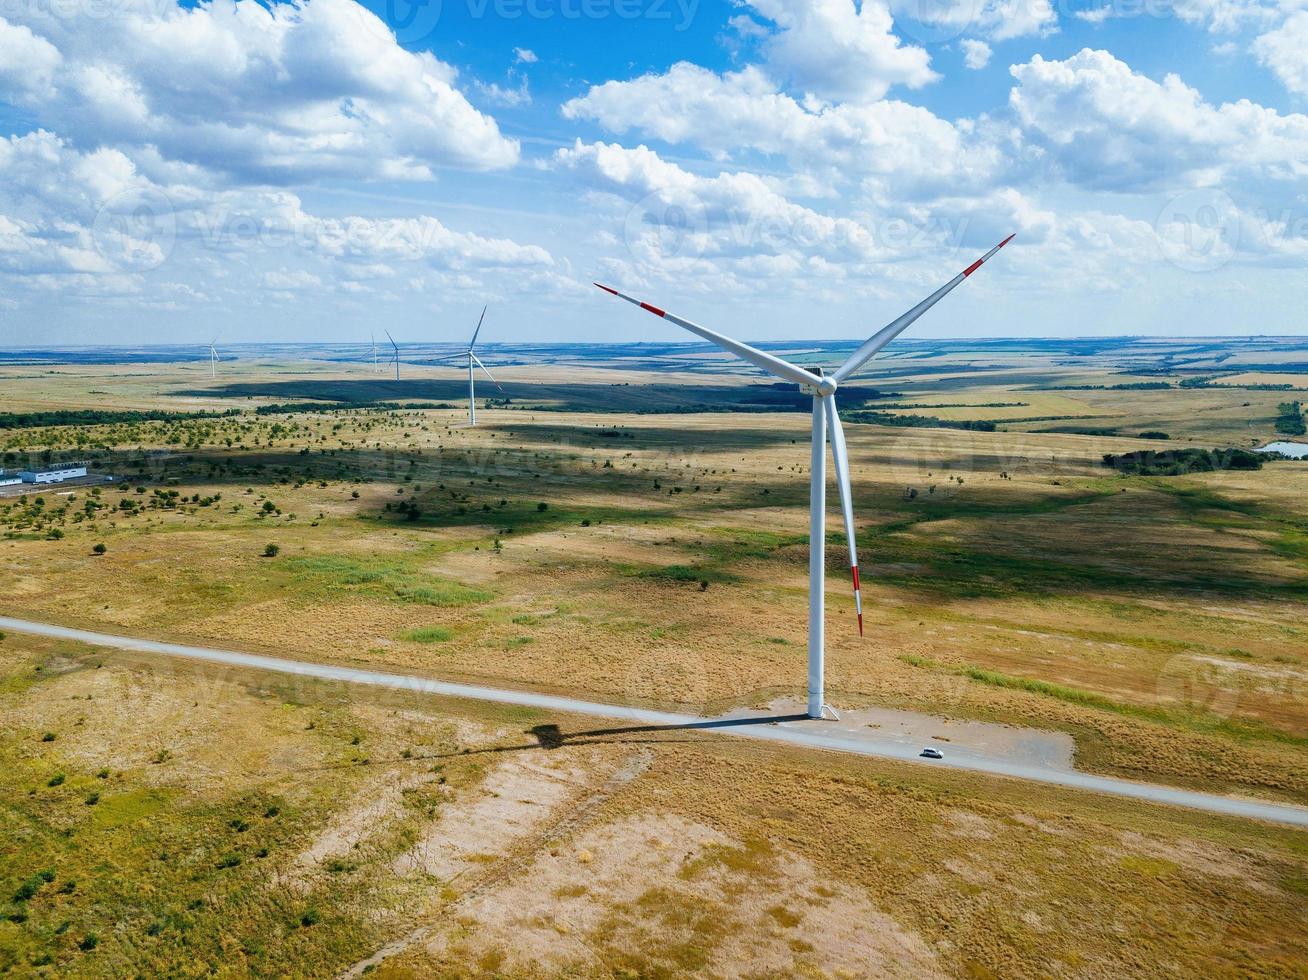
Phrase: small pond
(1295, 450)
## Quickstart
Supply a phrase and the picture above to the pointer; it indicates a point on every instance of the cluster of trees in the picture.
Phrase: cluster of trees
(1289, 421)
(1212, 381)
(1175, 462)
(1128, 386)
(295, 408)
(94, 416)
(919, 421)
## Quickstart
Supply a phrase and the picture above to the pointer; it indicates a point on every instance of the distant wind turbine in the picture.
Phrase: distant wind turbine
(397, 353)
(475, 362)
(826, 423)
(375, 365)
(213, 358)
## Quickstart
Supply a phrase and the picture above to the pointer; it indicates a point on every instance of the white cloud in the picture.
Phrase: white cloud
(93, 223)
(1216, 16)
(1285, 52)
(270, 94)
(524, 56)
(976, 54)
(727, 228)
(291, 279)
(1225, 15)
(998, 20)
(835, 50)
(906, 147)
(507, 95)
(27, 63)
(1106, 126)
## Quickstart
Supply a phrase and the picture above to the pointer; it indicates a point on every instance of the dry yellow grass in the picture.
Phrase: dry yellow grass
(259, 824)
(1160, 622)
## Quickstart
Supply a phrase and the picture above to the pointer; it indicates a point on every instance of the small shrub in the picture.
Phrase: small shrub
(56, 780)
(89, 942)
(542, 506)
(30, 886)
(93, 799)
(310, 918)
(48, 737)
(100, 548)
(271, 550)
(229, 861)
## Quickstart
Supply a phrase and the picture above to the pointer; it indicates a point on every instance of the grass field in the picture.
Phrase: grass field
(169, 820)
(587, 539)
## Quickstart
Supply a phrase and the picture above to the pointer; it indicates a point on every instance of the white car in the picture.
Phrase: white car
(930, 753)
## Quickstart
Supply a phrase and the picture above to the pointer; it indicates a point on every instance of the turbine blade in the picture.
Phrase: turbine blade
(768, 362)
(897, 326)
(841, 458)
(393, 343)
(485, 370)
(473, 342)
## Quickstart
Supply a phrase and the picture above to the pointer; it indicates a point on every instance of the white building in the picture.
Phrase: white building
(64, 471)
(9, 479)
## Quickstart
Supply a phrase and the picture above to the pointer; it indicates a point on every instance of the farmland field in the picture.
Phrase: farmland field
(630, 537)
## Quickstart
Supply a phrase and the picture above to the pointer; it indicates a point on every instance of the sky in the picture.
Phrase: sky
(324, 170)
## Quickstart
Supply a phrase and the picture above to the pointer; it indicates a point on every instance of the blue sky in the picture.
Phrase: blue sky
(774, 168)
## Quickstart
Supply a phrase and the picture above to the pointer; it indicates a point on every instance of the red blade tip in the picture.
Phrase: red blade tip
(860, 624)
(606, 288)
(1008, 239)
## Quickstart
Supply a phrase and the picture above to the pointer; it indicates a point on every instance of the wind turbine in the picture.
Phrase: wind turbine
(397, 353)
(475, 362)
(375, 365)
(213, 358)
(826, 424)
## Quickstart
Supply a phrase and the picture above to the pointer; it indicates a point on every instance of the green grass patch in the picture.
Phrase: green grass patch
(687, 573)
(386, 578)
(428, 634)
(1202, 722)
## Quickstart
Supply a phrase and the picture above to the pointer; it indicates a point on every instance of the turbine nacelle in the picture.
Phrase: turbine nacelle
(822, 385)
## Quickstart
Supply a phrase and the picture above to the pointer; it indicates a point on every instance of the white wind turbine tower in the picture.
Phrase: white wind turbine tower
(826, 424)
(375, 365)
(475, 362)
(396, 356)
(213, 358)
